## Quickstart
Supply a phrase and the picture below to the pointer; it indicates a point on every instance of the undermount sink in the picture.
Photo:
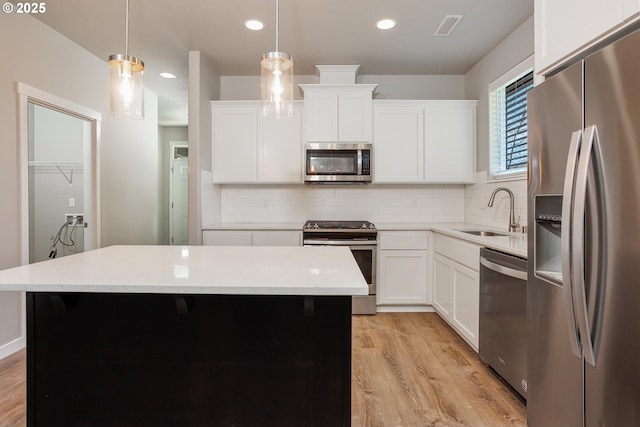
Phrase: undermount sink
(483, 233)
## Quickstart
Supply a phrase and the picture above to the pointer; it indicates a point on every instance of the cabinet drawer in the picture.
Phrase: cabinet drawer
(464, 253)
(403, 240)
(226, 238)
(277, 238)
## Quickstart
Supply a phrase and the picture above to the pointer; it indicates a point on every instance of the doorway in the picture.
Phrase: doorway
(58, 176)
(178, 193)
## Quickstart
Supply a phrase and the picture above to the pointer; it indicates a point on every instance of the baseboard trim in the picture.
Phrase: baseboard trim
(405, 309)
(11, 347)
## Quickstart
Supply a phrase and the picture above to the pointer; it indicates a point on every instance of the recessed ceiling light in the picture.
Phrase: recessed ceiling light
(168, 75)
(386, 24)
(254, 25)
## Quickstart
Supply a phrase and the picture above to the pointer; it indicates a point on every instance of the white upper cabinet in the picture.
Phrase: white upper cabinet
(249, 148)
(398, 135)
(449, 143)
(280, 149)
(337, 113)
(565, 28)
(234, 142)
(424, 141)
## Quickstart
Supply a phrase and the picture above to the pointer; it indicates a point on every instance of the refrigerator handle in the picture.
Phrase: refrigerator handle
(566, 241)
(577, 255)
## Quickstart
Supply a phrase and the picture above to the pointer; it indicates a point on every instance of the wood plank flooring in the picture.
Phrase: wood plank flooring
(409, 369)
(13, 411)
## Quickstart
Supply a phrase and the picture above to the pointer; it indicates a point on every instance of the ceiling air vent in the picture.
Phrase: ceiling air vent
(447, 25)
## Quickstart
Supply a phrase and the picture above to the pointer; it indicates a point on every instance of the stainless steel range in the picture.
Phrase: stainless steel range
(361, 237)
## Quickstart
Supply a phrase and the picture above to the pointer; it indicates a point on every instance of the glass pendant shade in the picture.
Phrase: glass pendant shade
(276, 70)
(126, 87)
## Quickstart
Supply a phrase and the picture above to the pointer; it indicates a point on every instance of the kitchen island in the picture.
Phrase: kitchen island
(190, 336)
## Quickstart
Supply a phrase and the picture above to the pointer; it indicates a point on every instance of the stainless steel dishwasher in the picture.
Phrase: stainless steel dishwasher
(503, 316)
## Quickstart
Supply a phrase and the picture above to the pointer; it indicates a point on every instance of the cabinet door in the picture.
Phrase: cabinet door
(277, 238)
(565, 27)
(280, 149)
(466, 302)
(226, 238)
(443, 285)
(403, 277)
(398, 144)
(450, 149)
(354, 116)
(234, 143)
(321, 115)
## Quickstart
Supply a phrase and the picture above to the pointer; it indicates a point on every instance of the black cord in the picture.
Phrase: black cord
(67, 235)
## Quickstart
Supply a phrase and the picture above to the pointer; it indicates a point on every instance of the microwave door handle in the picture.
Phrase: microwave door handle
(359, 162)
(566, 239)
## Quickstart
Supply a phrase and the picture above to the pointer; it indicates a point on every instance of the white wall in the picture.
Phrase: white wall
(46, 60)
(509, 53)
(204, 197)
(389, 87)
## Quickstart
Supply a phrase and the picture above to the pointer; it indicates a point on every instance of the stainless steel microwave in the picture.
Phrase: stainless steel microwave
(337, 163)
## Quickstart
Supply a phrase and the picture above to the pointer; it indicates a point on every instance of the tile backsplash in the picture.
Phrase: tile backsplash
(477, 198)
(376, 203)
(382, 203)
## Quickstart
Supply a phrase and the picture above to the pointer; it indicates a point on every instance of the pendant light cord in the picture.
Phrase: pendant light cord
(126, 30)
(277, 23)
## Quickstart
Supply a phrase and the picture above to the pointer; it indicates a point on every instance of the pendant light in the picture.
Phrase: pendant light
(126, 81)
(276, 69)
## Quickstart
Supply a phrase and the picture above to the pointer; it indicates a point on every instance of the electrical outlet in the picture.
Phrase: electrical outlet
(76, 219)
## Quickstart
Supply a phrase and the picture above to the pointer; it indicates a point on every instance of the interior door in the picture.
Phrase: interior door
(178, 195)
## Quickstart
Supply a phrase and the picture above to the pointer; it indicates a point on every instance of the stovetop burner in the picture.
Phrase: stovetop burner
(338, 225)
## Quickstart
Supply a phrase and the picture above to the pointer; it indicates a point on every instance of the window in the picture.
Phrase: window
(508, 122)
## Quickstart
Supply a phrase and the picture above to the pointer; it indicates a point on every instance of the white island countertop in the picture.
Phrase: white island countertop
(313, 271)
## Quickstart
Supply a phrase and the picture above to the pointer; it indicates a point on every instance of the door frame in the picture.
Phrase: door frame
(28, 94)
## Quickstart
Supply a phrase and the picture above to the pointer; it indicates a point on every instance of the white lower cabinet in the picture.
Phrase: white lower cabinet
(456, 285)
(251, 238)
(402, 268)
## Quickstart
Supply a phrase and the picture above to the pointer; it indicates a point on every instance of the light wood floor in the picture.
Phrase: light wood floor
(12, 390)
(409, 369)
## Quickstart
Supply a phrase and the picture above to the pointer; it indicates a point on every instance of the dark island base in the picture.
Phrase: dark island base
(192, 360)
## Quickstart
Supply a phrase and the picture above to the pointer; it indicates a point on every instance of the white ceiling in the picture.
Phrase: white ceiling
(162, 32)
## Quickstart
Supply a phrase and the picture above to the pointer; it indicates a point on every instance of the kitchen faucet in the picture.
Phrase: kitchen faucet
(513, 225)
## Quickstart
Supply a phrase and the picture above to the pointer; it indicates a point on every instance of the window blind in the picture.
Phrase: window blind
(515, 125)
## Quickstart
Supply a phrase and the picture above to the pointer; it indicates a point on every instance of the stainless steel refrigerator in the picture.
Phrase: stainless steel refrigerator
(583, 291)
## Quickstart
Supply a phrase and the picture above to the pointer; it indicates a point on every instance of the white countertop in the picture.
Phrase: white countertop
(239, 270)
(512, 243)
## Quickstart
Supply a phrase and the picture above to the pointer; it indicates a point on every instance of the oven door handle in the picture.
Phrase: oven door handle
(313, 242)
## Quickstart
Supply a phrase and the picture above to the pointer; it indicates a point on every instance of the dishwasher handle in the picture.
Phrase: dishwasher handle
(516, 274)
